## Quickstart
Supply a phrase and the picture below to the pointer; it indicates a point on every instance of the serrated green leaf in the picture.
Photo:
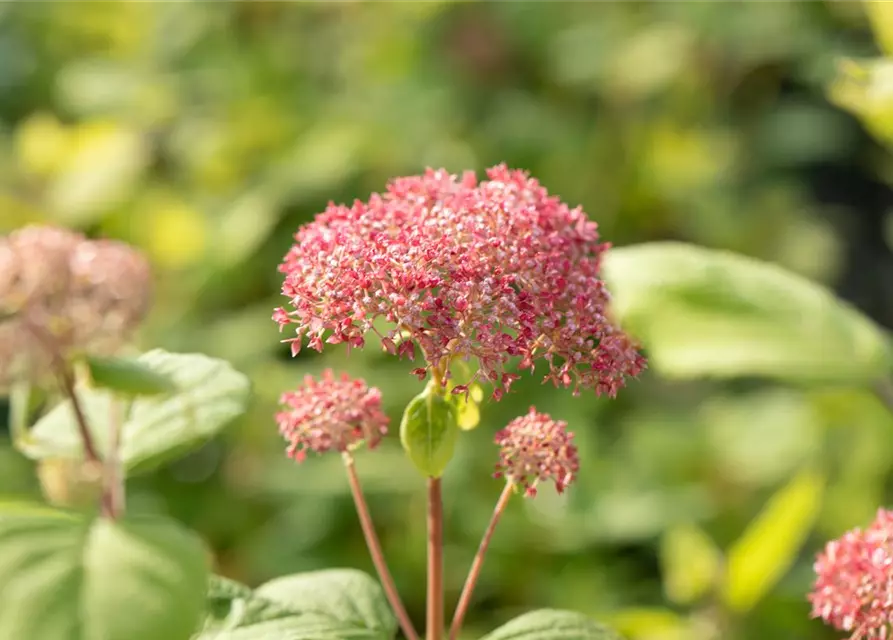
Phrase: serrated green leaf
(128, 377)
(701, 312)
(64, 577)
(769, 545)
(336, 604)
(429, 430)
(690, 563)
(553, 624)
(210, 394)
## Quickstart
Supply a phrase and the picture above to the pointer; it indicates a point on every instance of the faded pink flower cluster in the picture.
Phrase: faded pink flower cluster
(853, 590)
(332, 413)
(62, 294)
(534, 448)
(463, 269)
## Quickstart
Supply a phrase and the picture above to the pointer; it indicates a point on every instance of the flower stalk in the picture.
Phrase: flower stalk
(478, 562)
(375, 550)
(434, 613)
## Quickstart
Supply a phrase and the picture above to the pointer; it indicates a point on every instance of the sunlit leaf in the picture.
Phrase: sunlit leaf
(770, 544)
(210, 394)
(429, 429)
(703, 312)
(690, 563)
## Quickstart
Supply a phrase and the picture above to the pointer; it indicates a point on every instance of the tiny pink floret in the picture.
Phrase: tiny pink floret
(853, 590)
(534, 448)
(490, 270)
(332, 413)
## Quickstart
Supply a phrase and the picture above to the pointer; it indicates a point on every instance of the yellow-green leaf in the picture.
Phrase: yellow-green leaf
(880, 14)
(690, 563)
(771, 542)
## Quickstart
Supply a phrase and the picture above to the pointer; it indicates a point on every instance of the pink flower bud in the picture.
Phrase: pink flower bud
(331, 414)
(535, 448)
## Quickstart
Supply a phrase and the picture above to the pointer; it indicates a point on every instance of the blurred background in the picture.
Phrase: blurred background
(206, 133)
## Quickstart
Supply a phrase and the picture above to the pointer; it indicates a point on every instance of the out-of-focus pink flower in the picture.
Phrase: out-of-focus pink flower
(463, 269)
(853, 590)
(332, 413)
(61, 295)
(534, 448)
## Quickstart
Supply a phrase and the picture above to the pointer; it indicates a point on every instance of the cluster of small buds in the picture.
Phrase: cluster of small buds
(62, 294)
(332, 413)
(489, 270)
(853, 591)
(534, 448)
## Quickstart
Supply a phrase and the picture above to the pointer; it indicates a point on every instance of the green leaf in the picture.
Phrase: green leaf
(210, 394)
(880, 14)
(429, 430)
(865, 89)
(702, 312)
(64, 577)
(346, 595)
(336, 604)
(690, 563)
(128, 377)
(468, 407)
(553, 624)
(770, 544)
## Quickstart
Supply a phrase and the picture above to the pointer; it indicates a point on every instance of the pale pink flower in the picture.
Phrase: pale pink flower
(534, 448)
(853, 590)
(490, 270)
(62, 295)
(332, 413)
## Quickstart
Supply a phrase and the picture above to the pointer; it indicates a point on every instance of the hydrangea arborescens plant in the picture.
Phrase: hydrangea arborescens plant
(471, 280)
(93, 411)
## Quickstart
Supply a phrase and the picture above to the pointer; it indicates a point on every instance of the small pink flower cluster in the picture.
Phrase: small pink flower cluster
(535, 448)
(490, 270)
(853, 591)
(62, 294)
(332, 413)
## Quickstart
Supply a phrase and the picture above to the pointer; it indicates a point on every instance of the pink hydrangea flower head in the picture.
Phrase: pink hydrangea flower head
(61, 295)
(331, 413)
(462, 269)
(534, 448)
(853, 590)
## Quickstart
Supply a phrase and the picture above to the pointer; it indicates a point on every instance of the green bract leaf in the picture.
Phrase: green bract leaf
(771, 542)
(128, 377)
(210, 393)
(67, 578)
(702, 312)
(553, 624)
(429, 430)
(336, 604)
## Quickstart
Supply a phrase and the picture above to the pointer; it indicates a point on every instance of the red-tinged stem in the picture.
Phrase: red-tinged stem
(434, 617)
(478, 562)
(66, 381)
(375, 551)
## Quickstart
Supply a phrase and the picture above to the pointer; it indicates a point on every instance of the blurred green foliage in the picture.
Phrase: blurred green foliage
(206, 133)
